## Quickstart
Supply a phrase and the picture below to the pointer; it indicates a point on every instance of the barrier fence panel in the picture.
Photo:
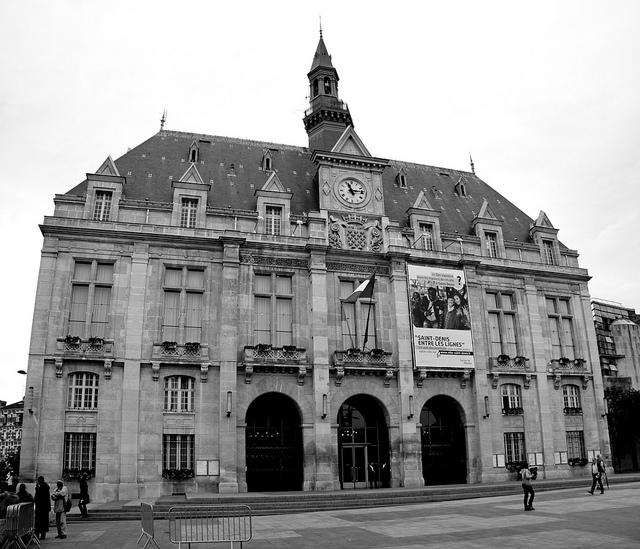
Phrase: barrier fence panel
(20, 531)
(210, 524)
(147, 525)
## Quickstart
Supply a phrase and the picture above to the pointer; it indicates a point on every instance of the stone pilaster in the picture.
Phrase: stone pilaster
(406, 468)
(228, 398)
(326, 462)
(129, 425)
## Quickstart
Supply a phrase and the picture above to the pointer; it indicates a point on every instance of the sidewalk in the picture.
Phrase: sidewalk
(568, 518)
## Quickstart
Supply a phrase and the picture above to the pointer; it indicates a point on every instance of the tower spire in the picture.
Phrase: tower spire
(327, 117)
(163, 119)
(473, 171)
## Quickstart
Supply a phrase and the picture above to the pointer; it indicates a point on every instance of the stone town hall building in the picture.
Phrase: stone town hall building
(199, 325)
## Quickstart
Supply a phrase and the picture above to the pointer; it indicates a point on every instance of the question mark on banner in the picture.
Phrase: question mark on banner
(459, 280)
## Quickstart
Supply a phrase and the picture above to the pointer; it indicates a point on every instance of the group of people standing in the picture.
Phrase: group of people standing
(430, 311)
(43, 500)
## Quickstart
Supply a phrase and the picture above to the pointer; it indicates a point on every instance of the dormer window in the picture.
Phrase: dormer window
(273, 220)
(194, 152)
(267, 161)
(102, 206)
(461, 188)
(549, 254)
(188, 211)
(491, 240)
(426, 234)
(401, 178)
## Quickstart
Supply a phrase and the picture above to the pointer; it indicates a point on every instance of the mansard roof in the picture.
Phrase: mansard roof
(233, 167)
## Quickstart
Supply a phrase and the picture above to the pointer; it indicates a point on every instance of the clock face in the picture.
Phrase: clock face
(352, 191)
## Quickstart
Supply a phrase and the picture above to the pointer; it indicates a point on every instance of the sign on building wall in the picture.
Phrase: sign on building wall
(440, 321)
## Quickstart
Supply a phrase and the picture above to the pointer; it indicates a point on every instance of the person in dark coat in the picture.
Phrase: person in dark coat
(25, 497)
(42, 501)
(84, 496)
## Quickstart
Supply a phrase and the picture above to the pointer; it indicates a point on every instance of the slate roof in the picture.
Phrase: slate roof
(234, 166)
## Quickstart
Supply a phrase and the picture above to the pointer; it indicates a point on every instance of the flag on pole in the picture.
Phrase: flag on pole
(364, 291)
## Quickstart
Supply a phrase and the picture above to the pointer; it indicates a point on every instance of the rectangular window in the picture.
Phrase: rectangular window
(178, 451)
(273, 220)
(102, 206)
(549, 254)
(426, 232)
(502, 324)
(273, 309)
(83, 391)
(492, 243)
(511, 402)
(514, 447)
(188, 213)
(560, 328)
(179, 394)
(575, 445)
(358, 319)
(183, 305)
(91, 288)
(570, 397)
(80, 451)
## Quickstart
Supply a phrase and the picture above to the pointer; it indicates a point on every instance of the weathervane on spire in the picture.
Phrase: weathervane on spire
(320, 17)
(473, 171)
(163, 119)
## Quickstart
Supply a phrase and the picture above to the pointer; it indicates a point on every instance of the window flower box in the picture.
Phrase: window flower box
(514, 466)
(377, 353)
(72, 340)
(503, 359)
(572, 410)
(289, 348)
(169, 345)
(192, 346)
(177, 474)
(512, 411)
(581, 462)
(520, 360)
(563, 361)
(263, 347)
(74, 473)
(96, 341)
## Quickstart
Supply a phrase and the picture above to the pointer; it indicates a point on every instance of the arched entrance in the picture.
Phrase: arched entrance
(443, 442)
(274, 444)
(363, 444)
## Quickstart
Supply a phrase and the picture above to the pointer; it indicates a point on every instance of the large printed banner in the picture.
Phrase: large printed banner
(440, 320)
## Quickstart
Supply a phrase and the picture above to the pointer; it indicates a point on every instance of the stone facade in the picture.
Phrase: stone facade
(193, 330)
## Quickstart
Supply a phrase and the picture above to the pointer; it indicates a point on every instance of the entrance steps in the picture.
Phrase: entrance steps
(281, 503)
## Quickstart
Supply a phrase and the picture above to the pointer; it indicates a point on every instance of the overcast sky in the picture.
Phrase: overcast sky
(545, 95)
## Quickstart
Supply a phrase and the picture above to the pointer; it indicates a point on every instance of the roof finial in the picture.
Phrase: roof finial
(163, 119)
(320, 16)
(473, 171)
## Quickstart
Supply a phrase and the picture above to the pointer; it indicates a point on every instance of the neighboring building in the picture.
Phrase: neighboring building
(618, 334)
(205, 321)
(10, 427)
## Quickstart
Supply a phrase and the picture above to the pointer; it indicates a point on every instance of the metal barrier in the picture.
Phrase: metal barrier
(20, 530)
(147, 525)
(209, 524)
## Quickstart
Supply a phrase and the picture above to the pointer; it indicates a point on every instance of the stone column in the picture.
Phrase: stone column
(326, 464)
(129, 423)
(229, 364)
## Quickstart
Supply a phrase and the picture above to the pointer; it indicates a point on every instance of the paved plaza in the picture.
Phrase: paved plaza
(568, 518)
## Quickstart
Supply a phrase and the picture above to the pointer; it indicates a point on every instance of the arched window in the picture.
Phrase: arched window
(327, 85)
(511, 401)
(315, 87)
(83, 391)
(178, 394)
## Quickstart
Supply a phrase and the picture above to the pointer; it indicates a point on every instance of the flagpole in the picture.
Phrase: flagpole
(366, 328)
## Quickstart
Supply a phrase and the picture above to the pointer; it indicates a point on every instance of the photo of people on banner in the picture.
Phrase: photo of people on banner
(440, 319)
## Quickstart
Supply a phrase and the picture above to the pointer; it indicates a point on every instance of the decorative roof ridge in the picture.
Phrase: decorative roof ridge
(235, 140)
(432, 168)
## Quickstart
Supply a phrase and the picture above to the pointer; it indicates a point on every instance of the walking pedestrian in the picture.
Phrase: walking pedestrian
(597, 469)
(42, 500)
(60, 496)
(84, 496)
(372, 475)
(526, 486)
